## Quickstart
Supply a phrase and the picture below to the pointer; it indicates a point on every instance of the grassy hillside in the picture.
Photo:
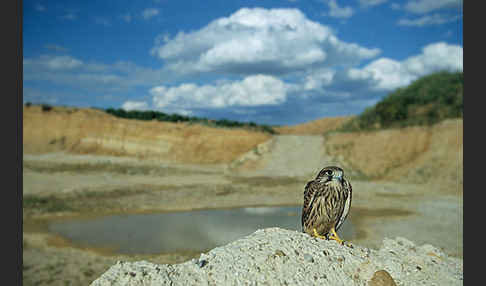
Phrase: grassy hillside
(426, 101)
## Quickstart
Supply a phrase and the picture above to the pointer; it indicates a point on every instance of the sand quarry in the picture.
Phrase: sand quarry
(85, 163)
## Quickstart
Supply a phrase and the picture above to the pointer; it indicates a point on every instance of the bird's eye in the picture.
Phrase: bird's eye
(329, 172)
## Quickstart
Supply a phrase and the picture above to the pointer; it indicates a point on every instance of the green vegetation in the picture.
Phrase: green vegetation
(46, 107)
(45, 204)
(426, 101)
(160, 116)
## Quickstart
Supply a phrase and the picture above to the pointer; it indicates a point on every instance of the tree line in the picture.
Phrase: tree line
(161, 116)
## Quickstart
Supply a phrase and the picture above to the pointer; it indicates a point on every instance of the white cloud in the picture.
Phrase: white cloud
(149, 13)
(425, 6)
(368, 3)
(251, 91)
(53, 63)
(339, 12)
(316, 80)
(427, 20)
(134, 105)
(252, 41)
(388, 74)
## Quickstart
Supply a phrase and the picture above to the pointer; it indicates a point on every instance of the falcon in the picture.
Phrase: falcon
(327, 200)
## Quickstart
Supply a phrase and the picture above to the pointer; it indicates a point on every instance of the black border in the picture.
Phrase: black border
(468, 178)
(11, 121)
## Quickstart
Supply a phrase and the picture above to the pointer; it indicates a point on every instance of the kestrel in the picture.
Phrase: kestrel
(327, 200)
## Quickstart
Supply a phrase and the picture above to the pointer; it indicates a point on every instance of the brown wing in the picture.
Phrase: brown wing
(309, 191)
(348, 195)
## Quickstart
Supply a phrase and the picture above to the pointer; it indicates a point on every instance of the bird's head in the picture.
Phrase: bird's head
(331, 173)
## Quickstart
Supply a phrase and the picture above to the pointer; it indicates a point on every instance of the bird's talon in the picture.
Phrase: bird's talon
(335, 237)
(318, 235)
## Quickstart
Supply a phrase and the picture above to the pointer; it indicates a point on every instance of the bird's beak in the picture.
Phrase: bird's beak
(338, 178)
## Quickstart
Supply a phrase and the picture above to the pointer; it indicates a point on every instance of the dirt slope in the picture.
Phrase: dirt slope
(421, 154)
(89, 131)
(315, 127)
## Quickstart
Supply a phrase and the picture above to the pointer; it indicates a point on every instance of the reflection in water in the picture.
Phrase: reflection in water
(169, 232)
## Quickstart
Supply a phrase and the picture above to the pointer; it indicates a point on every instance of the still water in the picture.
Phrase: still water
(179, 231)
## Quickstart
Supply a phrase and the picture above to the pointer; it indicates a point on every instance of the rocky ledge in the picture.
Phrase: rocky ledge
(276, 256)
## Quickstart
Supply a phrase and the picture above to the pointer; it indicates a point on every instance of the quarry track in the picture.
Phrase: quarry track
(294, 156)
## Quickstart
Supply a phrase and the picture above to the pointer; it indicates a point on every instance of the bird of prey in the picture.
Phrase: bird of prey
(327, 200)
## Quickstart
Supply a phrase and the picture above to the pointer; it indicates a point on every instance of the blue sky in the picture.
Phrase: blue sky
(271, 62)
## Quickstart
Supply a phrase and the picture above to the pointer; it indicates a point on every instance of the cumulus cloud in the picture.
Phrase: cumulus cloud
(149, 13)
(251, 91)
(387, 74)
(337, 11)
(265, 41)
(134, 105)
(316, 80)
(426, 6)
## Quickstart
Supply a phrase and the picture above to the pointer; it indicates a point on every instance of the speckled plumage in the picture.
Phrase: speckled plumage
(327, 201)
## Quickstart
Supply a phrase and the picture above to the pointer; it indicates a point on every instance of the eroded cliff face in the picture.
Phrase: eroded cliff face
(77, 130)
(419, 154)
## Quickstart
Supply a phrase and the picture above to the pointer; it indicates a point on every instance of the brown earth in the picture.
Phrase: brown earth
(314, 127)
(430, 154)
(90, 131)
(83, 162)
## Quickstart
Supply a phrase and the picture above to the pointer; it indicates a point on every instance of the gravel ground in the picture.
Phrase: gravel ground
(276, 256)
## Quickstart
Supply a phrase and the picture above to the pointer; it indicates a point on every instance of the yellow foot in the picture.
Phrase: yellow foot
(335, 237)
(318, 235)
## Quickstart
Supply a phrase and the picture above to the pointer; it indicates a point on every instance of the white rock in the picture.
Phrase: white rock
(276, 256)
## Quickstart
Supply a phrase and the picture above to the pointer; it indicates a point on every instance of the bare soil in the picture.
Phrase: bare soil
(315, 127)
